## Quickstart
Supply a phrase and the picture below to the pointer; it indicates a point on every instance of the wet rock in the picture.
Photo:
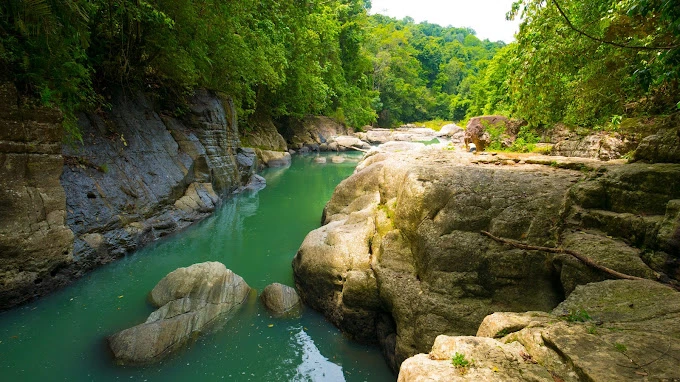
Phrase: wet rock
(320, 160)
(337, 159)
(256, 183)
(281, 299)
(189, 301)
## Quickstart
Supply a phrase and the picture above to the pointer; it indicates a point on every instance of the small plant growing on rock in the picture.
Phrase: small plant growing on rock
(460, 362)
(578, 315)
(620, 347)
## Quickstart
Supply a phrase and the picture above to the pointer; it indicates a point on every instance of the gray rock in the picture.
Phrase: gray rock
(662, 147)
(450, 130)
(189, 301)
(281, 299)
(311, 130)
(274, 158)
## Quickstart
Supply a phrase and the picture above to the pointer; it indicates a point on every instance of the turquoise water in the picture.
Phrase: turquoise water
(62, 337)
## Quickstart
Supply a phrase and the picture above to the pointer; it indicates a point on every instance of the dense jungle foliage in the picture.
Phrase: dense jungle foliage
(581, 62)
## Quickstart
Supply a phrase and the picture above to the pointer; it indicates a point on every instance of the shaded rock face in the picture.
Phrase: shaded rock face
(270, 158)
(262, 134)
(34, 239)
(189, 301)
(662, 147)
(281, 299)
(138, 176)
(607, 331)
(400, 259)
(310, 131)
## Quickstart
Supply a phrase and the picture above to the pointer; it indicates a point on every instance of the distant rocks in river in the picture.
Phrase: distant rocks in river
(320, 160)
(189, 300)
(281, 299)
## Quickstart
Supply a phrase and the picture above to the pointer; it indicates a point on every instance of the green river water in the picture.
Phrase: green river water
(61, 337)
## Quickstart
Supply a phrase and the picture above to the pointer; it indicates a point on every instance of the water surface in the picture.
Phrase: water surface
(62, 337)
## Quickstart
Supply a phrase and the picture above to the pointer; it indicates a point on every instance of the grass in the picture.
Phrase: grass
(620, 347)
(578, 315)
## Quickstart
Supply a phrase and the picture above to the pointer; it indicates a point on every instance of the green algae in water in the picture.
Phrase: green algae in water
(62, 336)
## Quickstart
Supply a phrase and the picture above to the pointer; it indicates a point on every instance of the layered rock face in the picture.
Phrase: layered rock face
(310, 131)
(34, 239)
(137, 176)
(189, 300)
(607, 331)
(140, 176)
(400, 258)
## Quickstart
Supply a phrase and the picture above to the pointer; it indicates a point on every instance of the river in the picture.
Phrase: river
(61, 337)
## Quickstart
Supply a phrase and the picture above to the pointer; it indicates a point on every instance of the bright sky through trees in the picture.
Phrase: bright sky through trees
(486, 17)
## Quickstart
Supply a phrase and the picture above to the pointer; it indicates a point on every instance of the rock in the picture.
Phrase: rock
(399, 258)
(400, 146)
(320, 160)
(256, 183)
(189, 301)
(347, 142)
(274, 158)
(34, 238)
(304, 150)
(337, 159)
(488, 360)
(138, 176)
(614, 330)
(663, 146)
(450, 130)
(312, 130)
(476, 130)
(261, 133)
(602, 145)
(280, 299)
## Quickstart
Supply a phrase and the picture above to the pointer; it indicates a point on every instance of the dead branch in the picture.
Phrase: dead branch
(586, 260)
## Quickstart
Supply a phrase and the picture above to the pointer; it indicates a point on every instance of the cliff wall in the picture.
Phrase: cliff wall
(138, 176)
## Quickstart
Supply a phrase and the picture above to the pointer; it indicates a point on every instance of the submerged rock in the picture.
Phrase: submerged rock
(189, 300)
(281, 299)
(320, 160)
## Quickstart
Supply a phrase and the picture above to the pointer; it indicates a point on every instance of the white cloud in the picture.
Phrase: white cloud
(486, 17)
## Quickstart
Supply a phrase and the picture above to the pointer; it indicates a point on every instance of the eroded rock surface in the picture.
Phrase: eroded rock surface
(400, 258)
(34, 238)
(189, 301)
(615, 330)
(310, 131)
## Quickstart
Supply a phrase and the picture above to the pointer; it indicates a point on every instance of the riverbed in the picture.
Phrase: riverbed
(61, 337)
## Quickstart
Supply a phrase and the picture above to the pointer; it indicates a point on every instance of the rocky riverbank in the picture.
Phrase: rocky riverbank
(137, 176)
(400, 259)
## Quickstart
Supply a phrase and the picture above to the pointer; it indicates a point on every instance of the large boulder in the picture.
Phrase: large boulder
(614, 330)
(400, 258)
(189, 301)
(310, 131)
(664, 146)
(477, 128)
(260, 132)
(345, 143)
(280, 299)
(274, 158)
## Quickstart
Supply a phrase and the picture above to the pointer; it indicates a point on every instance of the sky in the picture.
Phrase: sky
(486, 17)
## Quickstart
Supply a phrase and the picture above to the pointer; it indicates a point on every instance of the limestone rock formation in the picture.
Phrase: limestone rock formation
(402, 134)
(664, 146)
(281, 299)
(400, 259)
(476, 130)
(310, 131)
(614, 330)
(344, 143)
(273, 158)
(34, 239)
(136, 177)
(189, 300)
(262, 134)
